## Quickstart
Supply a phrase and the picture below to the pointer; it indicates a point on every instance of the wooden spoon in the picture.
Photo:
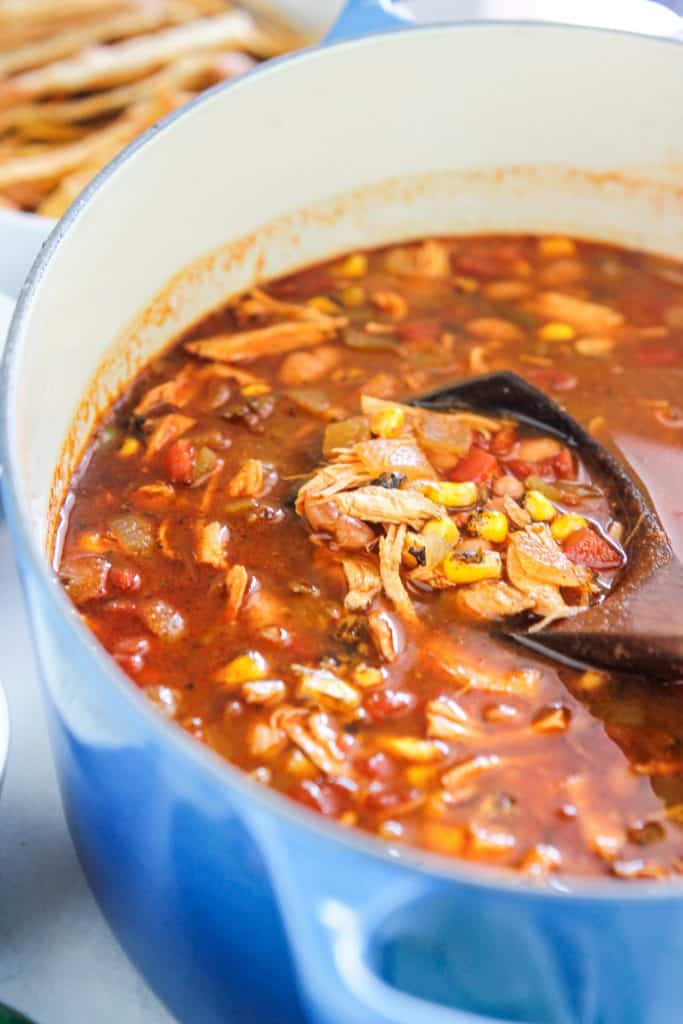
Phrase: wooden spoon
(639, 626)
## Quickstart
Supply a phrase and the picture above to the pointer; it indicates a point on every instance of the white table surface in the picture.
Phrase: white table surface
(59, 963)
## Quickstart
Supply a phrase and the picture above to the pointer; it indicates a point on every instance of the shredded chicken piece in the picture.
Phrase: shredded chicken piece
(432, 259)
(264, 608)
(309, 366)
(463, 772)
(448, 720)
(210, 546)
(177, 392)
(266, 341)
(328, 480)
(165, 430)
(390, 555)
(325, 688)
(248, 481)
(391, 303)
(514, 511)
(386, 633)
(585, 317)
(490, 328)
(379, 505)
(542, 559)
(237, 584)
(259, 303)
(264, 691)
(548, 601)
(316, 735)
(494, 600)
(266, 739)
(448, 661)
(363, 581)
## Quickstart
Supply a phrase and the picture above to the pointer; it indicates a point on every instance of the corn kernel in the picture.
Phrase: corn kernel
(94, 543)
(323, 305)
(130, 446)
(421, 775)
(453, 495)
(388, 422)
(448, 839)
(492, 526)
(254, 390)
(540, 508)
(348, 818)
(563, 526)
(592, 681)
(466, 284)
(366, 676)
(444, 528)
(352, 296)
(243, 669)
(355, 265)
(556, 246)
(556, 331)
(467, 570)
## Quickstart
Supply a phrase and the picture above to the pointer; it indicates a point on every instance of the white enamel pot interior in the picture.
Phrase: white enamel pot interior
(22, 234)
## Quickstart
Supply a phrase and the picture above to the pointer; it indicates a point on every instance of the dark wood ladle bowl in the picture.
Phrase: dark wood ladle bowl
(638, 627)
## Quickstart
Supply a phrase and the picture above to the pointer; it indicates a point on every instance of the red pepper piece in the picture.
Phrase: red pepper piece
(586, 547)
(180, 461)
(658, 355)
(477, 466)
(420, 331)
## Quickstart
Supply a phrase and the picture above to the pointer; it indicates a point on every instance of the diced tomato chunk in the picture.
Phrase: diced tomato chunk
(416, 331)
(180, 461)
(125, 578)
(320, 796)
(658, 355)
(520, 468)
(390, 703)
(504, 440)
(564, 466)
(477, 465)
(376, 766)
(586, 547)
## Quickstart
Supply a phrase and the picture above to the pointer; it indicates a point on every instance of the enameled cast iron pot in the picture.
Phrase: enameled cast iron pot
(238, 906)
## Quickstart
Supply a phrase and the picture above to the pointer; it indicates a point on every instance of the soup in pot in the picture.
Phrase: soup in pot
(303, 570)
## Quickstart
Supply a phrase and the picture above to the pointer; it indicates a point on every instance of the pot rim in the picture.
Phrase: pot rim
(424, 863)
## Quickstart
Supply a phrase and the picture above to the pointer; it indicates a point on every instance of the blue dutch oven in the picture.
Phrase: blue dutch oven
(238, 906)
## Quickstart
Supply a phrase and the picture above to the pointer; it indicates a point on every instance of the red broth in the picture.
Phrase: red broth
(302, 572)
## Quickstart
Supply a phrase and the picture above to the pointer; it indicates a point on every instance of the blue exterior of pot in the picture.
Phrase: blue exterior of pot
(240, 908)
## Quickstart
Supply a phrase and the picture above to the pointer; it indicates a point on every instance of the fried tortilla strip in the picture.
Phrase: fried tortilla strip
(188, 73)
(585, 317)
(263, 341)
(104, 66)
(59, 160)
(364, 583)
(155, 14)
(17, 12)
(390, 555)
(379, 505)
(167, 429)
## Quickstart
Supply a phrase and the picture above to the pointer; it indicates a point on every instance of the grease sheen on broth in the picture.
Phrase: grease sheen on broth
(334, 643)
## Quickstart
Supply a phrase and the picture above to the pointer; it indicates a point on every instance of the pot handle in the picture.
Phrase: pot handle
(365, 17)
